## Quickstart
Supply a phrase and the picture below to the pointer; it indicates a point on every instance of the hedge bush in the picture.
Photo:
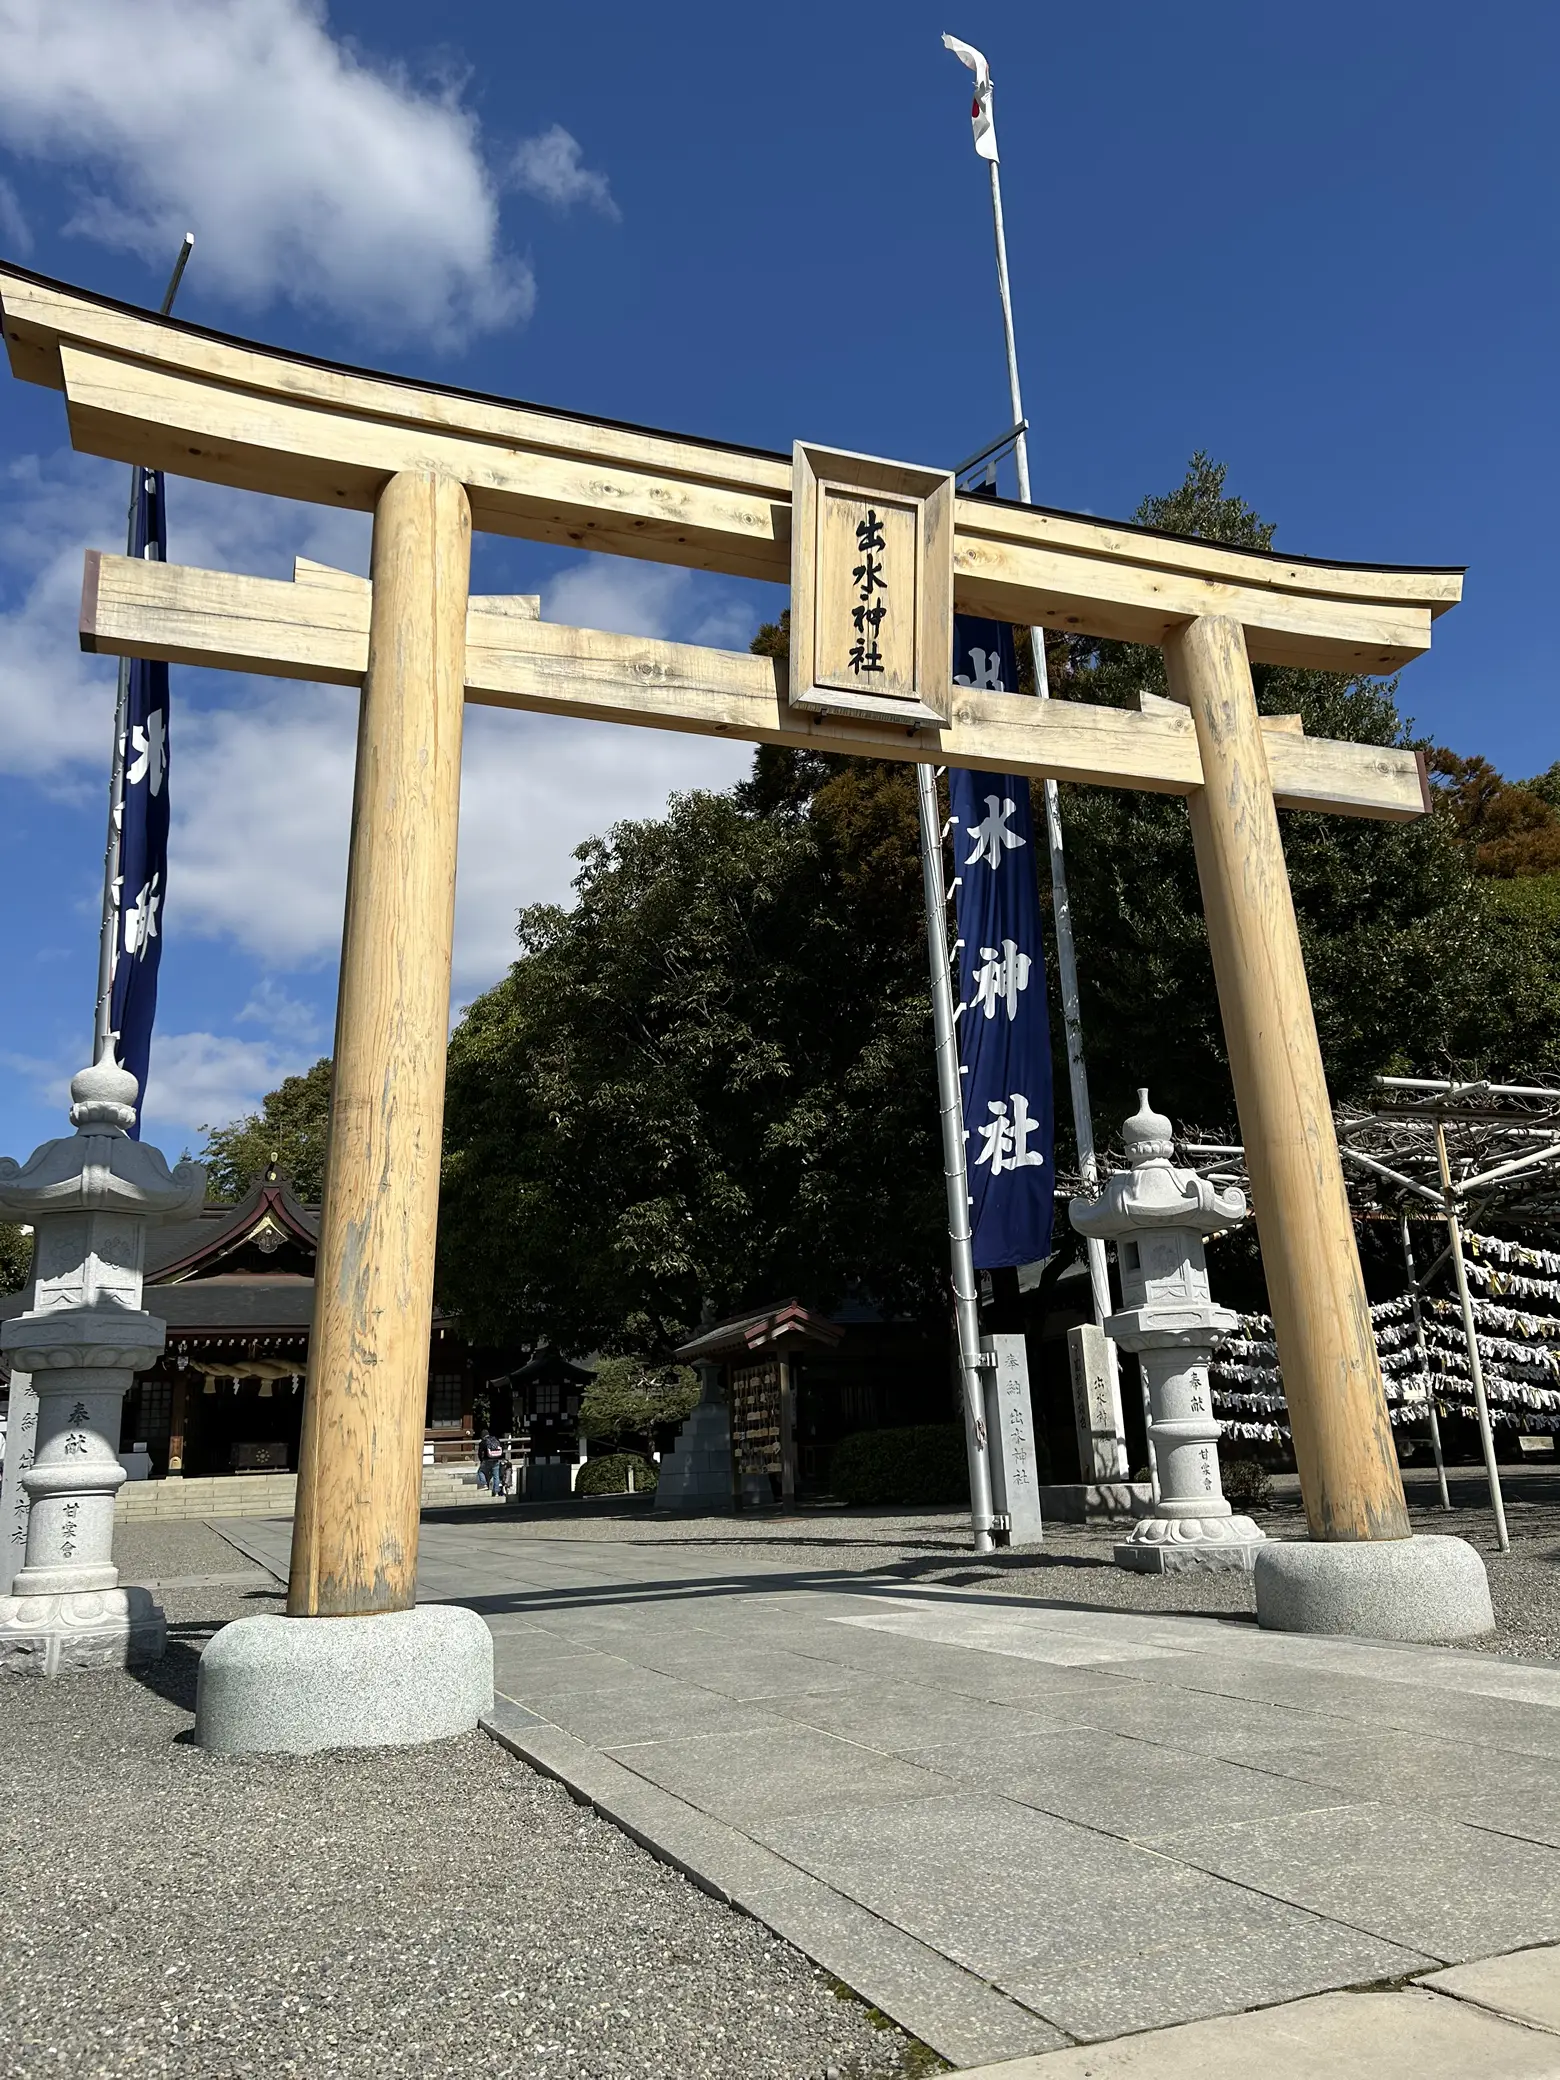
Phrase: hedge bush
(608, 1475)
(1246, 1483)
(923, 1465)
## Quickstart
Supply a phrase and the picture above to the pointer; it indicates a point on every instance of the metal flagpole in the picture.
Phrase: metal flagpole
(1470, 1331)
(108, 931)
(1066, 955)
(950, 1107)
(1424, 1360)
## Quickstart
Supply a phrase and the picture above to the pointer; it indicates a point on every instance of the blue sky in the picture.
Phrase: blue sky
(1320, 243)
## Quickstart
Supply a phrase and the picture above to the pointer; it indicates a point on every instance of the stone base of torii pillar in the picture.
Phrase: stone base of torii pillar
(89, 1199)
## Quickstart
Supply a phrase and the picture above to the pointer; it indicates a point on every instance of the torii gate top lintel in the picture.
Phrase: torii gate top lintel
(140, 388)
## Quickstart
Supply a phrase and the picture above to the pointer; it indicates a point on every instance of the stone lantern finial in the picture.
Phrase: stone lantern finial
(1148, 1135)
(103, 1096)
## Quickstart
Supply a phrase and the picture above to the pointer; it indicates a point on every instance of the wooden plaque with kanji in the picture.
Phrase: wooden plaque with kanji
(871, 587)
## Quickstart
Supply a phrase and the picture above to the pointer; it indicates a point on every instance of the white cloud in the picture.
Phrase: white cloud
(536, 786)
(647, 599)
(305, 169)
(56, 706)
(14, 234)
(261, 769)
(261, 794)
(552, 166)
(200, 1080)
(285, 1017)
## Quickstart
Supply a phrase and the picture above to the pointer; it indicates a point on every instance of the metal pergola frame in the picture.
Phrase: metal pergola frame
(1471, 1149)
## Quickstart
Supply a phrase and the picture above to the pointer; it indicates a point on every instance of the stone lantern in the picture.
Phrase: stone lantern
(1157, 1215)
(88, 1199)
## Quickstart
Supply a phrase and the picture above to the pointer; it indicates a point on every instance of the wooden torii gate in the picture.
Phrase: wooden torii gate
(431, 463)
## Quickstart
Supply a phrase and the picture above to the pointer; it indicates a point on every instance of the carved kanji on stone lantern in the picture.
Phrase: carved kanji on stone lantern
(1157, 1215)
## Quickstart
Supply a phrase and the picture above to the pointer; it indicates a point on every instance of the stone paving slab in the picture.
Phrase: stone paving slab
(1097, 1935)
(1072, 1821)
(1403, 1872)
(1412, 2034)
(1130, 1788)
(927, 1992)
(1524, 1987)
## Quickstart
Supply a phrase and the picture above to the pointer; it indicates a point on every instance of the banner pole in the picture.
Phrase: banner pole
(950, 1107)
(1066, 952)
(108, 928)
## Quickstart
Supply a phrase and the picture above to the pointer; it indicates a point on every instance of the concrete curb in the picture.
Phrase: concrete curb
(959, 2015)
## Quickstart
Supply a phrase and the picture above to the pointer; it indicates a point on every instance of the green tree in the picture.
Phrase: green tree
(710, 1081)
(16, 1251)
(627, 1400)
(291, 1130)
(1410, 968)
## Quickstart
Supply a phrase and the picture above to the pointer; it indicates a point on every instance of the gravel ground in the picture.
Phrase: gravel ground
(1074, 1565)
(433, 1911)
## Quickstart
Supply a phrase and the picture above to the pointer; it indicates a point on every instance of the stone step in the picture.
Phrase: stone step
(265, 1495)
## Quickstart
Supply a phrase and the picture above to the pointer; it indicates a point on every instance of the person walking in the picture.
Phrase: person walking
(490, 1455)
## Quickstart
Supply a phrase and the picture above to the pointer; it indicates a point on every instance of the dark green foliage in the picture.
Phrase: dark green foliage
(16, 1251)
(711, 1081)
(291, 1130)
(922, 1466)
(1410, 969)
(609, 1475)
(1246, 1483)
(627, 1399)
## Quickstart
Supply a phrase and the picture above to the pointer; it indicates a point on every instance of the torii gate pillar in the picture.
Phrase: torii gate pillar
(360, 1463)
(1338, 1414)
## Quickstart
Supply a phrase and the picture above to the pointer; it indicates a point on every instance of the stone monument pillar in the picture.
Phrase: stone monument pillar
(89, 1199)
(696, 1473)
(1158, 1216)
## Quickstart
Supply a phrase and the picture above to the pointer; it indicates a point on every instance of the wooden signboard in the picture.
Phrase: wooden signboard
(755, 1417)
(871, 587)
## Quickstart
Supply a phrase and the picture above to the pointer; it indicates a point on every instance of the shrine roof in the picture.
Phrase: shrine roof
(548, 1367)
(218, 1306)
(786, 1325)
(267, 1217)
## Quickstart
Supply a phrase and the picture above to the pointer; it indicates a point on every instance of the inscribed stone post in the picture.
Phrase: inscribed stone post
(1093, 1404)
(1010, 1427)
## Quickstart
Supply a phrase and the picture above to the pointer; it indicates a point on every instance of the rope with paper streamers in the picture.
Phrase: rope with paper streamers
(1519, 1351)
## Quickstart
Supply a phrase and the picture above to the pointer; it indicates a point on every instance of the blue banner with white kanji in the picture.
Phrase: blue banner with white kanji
(143, 823)
(1004, 1031)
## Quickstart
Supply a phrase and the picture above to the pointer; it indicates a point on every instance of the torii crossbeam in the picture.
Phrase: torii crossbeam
(431, 463)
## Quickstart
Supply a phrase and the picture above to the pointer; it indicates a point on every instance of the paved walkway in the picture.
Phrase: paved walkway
(1015, 1825)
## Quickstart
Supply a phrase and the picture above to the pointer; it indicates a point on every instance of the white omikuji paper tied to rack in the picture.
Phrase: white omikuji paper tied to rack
(1519, 1350)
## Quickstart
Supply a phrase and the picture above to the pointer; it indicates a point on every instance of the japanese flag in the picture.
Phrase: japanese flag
(982, 122)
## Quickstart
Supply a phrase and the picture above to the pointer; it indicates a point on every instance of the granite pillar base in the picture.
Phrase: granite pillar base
(1411, 1589)
(290, 1686)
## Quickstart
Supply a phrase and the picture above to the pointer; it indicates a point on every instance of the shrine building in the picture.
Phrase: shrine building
(236, 1289)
